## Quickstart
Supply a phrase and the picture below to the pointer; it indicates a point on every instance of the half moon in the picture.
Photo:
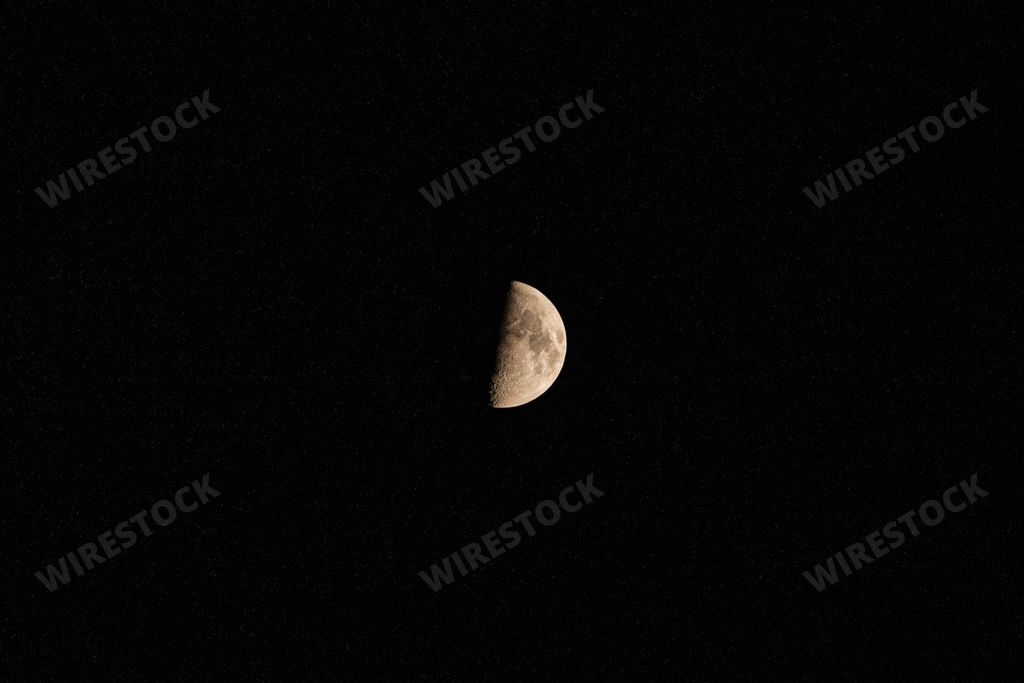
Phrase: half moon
(531, 350)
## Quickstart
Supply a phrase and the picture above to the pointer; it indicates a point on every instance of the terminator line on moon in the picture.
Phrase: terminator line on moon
(532, 348)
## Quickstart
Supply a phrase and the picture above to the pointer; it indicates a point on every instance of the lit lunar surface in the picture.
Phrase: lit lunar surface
(531, 350)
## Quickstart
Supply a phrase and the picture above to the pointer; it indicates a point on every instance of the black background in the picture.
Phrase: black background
(755, 383)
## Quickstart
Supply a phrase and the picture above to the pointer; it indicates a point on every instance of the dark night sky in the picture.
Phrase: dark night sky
(755, 383)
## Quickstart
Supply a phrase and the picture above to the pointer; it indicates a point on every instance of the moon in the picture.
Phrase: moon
(532, 348)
